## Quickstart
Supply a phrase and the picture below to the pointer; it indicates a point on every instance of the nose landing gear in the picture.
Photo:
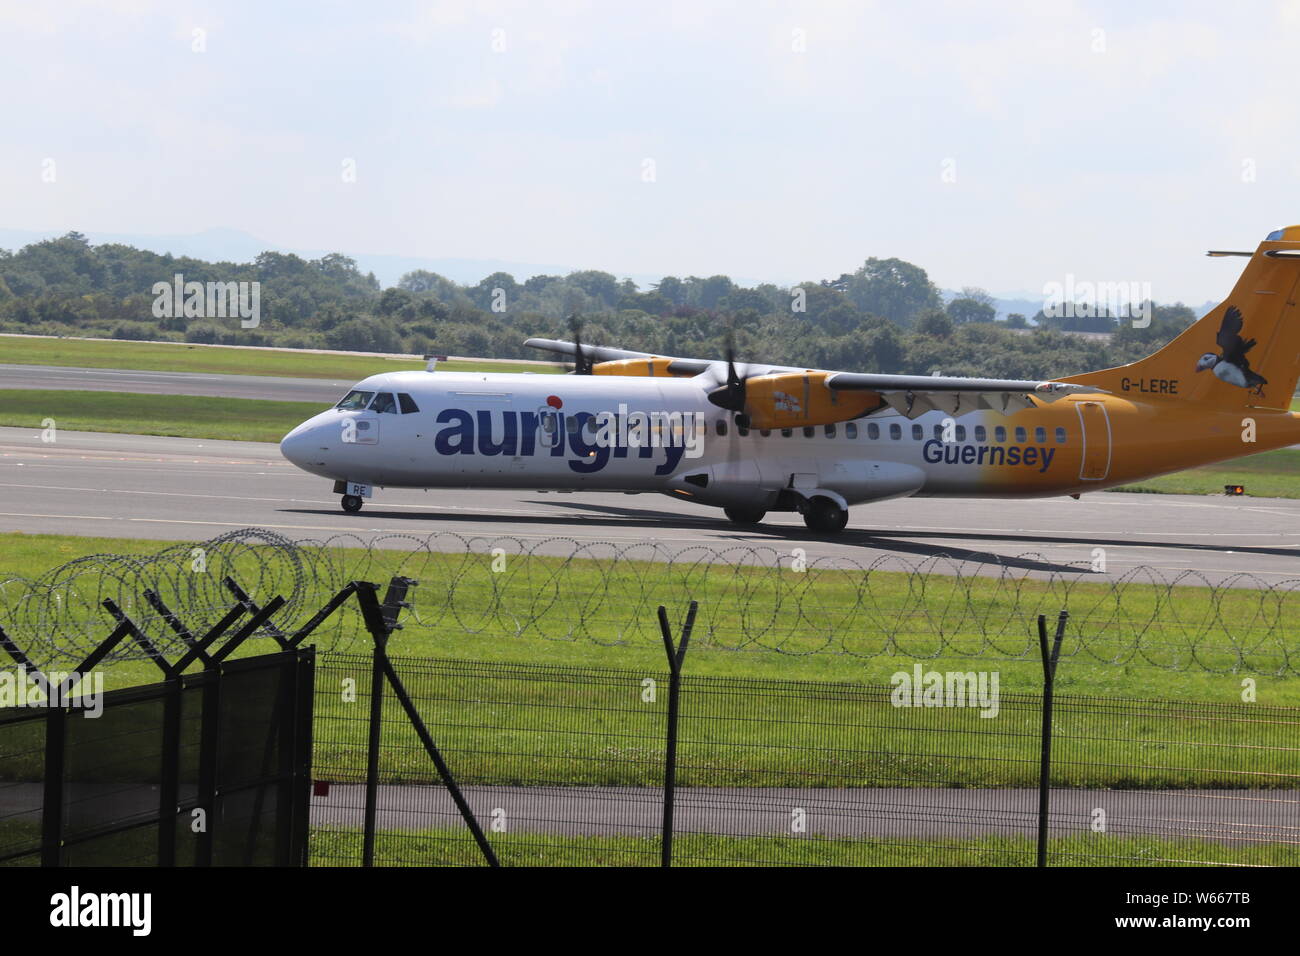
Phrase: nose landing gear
(351, 503)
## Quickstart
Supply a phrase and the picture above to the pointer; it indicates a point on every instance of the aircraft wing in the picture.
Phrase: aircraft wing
(597, 353)
(846, 395)
(914, 395)
(605, 353)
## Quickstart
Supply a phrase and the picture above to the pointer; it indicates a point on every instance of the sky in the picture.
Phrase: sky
(1001, 145)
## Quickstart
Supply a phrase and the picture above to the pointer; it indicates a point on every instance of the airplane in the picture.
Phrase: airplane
(755, 438)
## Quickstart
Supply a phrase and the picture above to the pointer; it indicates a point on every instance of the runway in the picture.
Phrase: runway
(185, 489)
(282, 389)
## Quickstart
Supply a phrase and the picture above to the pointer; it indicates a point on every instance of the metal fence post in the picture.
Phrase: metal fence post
(1045, 738)
(372, 747)
(675, 657)
(56, 729)
(380, 621)
(169, 780)
(209, 750)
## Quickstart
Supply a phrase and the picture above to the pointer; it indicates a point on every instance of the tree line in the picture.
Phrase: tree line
(886, 316)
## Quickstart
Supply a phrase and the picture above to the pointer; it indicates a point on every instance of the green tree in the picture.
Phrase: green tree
(963, 310)
(935, 324)
(892, 288)
(672, 289)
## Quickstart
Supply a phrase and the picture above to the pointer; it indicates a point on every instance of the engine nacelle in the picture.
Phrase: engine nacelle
(799, 399)
(641, 367)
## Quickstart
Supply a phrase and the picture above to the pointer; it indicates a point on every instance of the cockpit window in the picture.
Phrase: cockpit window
(407, 403)
(384, 402)
(355, 400)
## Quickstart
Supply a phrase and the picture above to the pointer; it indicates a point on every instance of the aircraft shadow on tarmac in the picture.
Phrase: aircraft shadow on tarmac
(849, 535)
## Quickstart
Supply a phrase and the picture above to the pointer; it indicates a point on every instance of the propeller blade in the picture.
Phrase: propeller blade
(582, 363)
(731, 396)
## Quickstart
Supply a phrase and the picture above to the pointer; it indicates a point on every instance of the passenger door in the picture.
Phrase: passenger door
(1095, 424)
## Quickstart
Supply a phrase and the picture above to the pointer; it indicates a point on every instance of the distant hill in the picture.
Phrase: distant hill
(232, 245)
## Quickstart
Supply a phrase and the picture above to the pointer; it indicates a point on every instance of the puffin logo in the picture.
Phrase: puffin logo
(1232, 365)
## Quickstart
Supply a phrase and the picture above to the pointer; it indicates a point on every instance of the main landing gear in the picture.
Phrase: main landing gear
(821, 514)
(351, 503)
(746, 516)
(824, 516)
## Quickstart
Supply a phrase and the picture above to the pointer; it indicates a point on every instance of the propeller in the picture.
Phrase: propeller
(582, 363)
(731, 395)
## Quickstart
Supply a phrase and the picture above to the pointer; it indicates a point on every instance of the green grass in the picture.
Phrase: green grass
(1272, 474)
(819, 626)
(511, 726)
(453, 846)
(448, 847)
(603, 735)
(186, 416)
(145, 356)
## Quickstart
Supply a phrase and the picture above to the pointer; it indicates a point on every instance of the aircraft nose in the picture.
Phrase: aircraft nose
(296, 446)
(309, 446)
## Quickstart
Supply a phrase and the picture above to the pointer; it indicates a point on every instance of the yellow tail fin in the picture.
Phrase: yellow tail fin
(1244, 353)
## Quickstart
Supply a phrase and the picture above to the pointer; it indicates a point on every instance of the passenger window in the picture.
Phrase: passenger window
(918, 432)
(589, 426)
(1021, 435)
(787, 432)
(938, 432)
(355, 400)
(407, 403)
(850, 431)
(873, 431)
(571, 425)
(895, 431)
(1060, 436)
(999, 434)
(1040, 435)
(980, 434)
(722, 426)
(809, 431)
(961, 432)
(384, 402)
(742, 431)
(830, 431)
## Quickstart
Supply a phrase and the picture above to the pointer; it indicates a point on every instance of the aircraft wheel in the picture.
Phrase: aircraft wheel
(825, 516)
(744, 515)
(351, 503)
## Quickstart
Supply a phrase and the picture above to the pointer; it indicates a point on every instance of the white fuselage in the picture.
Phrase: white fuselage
(497, 430)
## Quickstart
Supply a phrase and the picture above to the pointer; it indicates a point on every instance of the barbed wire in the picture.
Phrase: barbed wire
(751, 598)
